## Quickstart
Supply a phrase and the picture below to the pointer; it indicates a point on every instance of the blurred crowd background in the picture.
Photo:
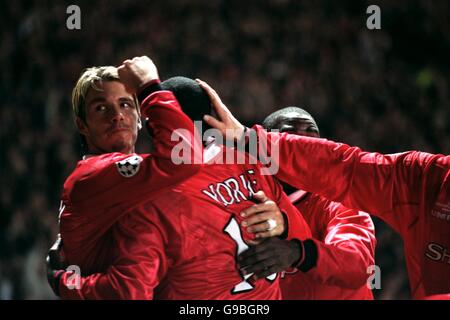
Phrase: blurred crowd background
(383, 90)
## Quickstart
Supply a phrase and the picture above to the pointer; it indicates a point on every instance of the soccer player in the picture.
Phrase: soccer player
(185, 238)
(334, 262)
(410, 191)
(111, 177)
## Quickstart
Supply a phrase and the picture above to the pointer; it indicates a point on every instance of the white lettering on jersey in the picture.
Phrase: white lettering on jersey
(438, 253)
(441, 215)
(237, 193)
(212, 193)
(231, 191)
(233, 230)
(248, 184)
(222, 186)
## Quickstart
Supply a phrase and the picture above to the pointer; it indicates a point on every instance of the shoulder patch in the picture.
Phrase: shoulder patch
(130, 166)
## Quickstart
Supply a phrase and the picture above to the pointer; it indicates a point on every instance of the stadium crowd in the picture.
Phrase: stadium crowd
(383, 90)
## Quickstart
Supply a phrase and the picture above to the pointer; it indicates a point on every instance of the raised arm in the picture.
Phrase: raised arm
(371, 182)
(165, 120)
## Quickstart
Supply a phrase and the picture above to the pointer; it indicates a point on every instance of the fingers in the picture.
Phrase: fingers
(266, 272)
(262, 269)
(137, 72)
(256, 208)
(213, 96)
(261, 229)
(259, 213)
(260, 218)
(255, 254)
(145, 59)
(271, 256)
(213, 122)
(260, 196)
(229, 126)
(219, 107)
(259, 259)
(257, 218)
(269, 233)
(256, 250)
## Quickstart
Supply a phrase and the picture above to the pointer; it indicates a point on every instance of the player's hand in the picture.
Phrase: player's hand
(137, 72)
(55, 265)
(226, 123)
(264, 219)
(270, 256)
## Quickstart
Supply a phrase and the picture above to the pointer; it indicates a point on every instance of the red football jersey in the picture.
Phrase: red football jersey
(345, 240)
(410, 191)
(186, 238)
(101, 188)
(218, 193)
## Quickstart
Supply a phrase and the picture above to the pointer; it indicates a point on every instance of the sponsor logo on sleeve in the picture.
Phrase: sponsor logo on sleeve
(441, 211)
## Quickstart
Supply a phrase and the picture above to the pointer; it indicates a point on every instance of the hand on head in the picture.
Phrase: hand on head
(226, 123)
(137, 72)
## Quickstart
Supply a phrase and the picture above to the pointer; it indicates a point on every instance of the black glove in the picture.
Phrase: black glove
(276, 255)
(55, 265)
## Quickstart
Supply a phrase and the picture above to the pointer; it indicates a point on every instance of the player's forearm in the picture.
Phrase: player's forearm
(342, 265)
(104, 286)
(358, 179)
(297, 227)
(169, 126)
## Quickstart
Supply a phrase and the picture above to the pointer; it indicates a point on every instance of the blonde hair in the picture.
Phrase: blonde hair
(92, 78)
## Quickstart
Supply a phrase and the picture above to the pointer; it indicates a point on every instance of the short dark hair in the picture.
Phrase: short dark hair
(270, 121)
(194, 101)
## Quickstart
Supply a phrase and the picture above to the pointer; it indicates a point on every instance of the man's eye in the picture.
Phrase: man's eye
(100, 108)
(125, 105)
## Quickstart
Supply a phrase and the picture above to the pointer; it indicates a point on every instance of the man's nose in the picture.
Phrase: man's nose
(117, 114)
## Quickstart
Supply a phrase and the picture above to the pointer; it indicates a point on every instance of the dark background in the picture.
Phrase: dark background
(383, 90)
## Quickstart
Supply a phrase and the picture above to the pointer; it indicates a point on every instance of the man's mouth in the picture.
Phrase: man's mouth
(118, 129)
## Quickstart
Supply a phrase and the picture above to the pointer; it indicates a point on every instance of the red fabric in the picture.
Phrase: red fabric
(180, 241)
(126, 234)
(345, 241)
(96, 195)
(444, 296)
(218, 193)
(410, 191)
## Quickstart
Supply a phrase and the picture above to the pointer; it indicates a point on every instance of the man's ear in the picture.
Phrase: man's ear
(81, 125)
(139, 123)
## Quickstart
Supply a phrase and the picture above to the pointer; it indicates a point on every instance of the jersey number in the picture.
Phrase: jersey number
(233, 230)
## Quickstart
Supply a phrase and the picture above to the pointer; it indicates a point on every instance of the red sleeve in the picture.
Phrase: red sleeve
(169, 127)
(348, 244)
(296, 225)
(100, 182)
(298, 228)
(140, 262)
(371, 182)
